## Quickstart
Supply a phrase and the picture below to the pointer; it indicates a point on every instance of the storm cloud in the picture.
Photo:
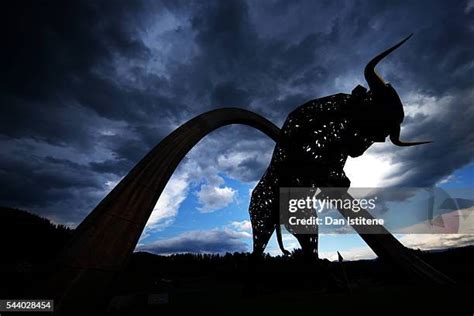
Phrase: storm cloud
(88, 88)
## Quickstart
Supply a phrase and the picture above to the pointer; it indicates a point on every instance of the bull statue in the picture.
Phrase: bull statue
(314, 143)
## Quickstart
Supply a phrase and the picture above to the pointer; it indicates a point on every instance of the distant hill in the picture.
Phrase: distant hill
(26, 237)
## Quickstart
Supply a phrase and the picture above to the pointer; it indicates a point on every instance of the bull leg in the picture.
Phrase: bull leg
(260, 240)
(262, 215)
(310, 266)
(309, 245)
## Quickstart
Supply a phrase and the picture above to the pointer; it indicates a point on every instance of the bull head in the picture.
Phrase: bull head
(386, 96)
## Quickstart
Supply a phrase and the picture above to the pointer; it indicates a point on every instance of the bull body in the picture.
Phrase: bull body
(314, 143)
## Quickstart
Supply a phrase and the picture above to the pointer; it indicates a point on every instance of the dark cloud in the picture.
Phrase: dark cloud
(88, 88)
(61, 189)
(452, 147)
(50, 43)
(210, 241)
(229, 96)
(113, 166)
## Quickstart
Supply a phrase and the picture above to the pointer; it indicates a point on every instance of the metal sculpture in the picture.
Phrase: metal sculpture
(316, 139)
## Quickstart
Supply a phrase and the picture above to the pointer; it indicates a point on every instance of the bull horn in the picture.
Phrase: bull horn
(395, 139)
(376, 83)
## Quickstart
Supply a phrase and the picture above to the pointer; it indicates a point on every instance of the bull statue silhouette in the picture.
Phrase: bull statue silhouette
(314, 143)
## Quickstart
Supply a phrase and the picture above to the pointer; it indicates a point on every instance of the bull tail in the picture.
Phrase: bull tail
(280, 240)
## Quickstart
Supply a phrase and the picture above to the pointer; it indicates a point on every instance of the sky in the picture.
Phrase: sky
(88, 88)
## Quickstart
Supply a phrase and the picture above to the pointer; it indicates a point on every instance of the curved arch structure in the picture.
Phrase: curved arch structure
(105, 240)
